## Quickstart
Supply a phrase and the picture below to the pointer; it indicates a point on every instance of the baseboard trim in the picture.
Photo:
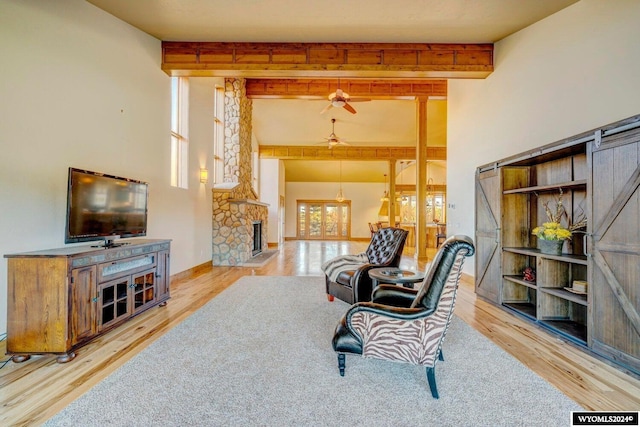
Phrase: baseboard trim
(353, 239)
(190, 272)
(468, 278)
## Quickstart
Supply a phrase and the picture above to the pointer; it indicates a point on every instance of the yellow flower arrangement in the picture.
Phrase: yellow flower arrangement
(553, 230)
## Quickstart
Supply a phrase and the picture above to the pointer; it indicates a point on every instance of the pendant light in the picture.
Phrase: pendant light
(340, 195)
(383, 213)
(401, 197)
(385, 195)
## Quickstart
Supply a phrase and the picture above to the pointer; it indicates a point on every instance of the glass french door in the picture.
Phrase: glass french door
(324, 220)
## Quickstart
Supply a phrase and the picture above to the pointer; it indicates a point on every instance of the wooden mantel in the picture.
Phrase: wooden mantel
(356, 60)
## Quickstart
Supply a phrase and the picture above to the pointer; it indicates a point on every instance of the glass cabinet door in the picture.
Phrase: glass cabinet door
(113, 301)
(144, 289)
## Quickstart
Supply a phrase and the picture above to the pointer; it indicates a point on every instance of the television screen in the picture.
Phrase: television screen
(103, 207)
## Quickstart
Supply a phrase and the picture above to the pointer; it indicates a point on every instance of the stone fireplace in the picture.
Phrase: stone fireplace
(236, 209)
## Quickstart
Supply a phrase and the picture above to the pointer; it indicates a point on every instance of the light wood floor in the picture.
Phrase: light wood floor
(33, 391)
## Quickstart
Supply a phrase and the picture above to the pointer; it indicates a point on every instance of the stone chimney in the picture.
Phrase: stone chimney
(237, 138)
(236, 208)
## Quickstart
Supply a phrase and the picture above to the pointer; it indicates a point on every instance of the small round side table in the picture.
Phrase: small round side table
(395, 276)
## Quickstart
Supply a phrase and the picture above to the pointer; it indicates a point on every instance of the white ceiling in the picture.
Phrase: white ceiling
(297, 121)
(398, 21)
(377, 122)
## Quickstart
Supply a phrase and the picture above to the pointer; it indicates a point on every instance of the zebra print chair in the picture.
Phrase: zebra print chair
(407, 325)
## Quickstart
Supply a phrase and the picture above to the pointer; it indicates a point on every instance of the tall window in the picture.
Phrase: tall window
(435, 208)
(179, 132)
(218, 135)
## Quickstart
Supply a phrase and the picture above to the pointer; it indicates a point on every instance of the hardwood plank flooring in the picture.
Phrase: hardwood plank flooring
(33, 391)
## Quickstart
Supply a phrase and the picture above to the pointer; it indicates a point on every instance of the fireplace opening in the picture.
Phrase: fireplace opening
(257, 238)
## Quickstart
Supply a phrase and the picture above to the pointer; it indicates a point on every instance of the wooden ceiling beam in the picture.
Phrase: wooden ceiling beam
(304, 152)
(355, 60)
(370, 88)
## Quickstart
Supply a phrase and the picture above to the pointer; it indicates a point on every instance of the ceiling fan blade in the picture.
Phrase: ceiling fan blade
(349, 108)
(358, 99)
(327, 108)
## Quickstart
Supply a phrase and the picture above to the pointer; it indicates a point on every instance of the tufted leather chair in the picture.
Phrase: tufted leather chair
(385, 250)
(407, 325)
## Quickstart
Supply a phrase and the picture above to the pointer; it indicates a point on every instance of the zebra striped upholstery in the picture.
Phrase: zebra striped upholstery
(406, 325)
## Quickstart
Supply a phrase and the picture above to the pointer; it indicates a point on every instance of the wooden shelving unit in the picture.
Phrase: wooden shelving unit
(597, 175)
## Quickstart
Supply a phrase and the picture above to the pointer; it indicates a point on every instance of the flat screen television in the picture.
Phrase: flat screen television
(104, 207)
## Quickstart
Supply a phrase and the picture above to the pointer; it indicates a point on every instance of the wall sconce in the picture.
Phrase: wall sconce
(204, 175)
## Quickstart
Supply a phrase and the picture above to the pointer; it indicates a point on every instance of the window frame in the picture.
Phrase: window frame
(179, 168)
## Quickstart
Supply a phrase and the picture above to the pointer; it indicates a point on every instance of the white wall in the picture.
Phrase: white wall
(572, 72)
(201, 136)
(81, 88)
(270, 193)
(364, 197)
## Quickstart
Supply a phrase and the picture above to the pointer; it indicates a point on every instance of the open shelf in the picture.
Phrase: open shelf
(526, 308)
(576, 259)
(564, 294)
(575, 331)
(519, 280)
(581, 183)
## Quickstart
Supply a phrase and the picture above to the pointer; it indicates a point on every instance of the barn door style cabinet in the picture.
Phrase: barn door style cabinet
(596, 175)
(60, 299)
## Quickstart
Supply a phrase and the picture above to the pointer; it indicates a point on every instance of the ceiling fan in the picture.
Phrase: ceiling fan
(333, 139)
(339, 98)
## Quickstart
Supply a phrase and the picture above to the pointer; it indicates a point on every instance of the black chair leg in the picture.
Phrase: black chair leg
(431, 377)
(341, 363)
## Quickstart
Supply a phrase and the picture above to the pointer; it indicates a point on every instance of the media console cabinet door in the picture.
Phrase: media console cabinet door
(83, 304)
(37, 305)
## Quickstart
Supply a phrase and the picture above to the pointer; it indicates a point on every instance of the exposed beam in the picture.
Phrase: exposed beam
(361, 60)
(300, 152)
(370, 88)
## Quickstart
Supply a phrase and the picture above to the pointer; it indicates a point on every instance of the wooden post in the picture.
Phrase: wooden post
(421, 177)
(392, 193)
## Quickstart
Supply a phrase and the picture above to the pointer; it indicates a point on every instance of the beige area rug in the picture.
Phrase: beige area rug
(259, 354)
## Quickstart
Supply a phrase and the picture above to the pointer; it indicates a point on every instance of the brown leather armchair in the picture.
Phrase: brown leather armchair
(347, 277)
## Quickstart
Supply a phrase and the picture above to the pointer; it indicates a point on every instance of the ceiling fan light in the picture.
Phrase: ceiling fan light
(338, 103)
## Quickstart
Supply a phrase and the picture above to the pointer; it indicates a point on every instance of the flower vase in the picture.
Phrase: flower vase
(550, 247)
